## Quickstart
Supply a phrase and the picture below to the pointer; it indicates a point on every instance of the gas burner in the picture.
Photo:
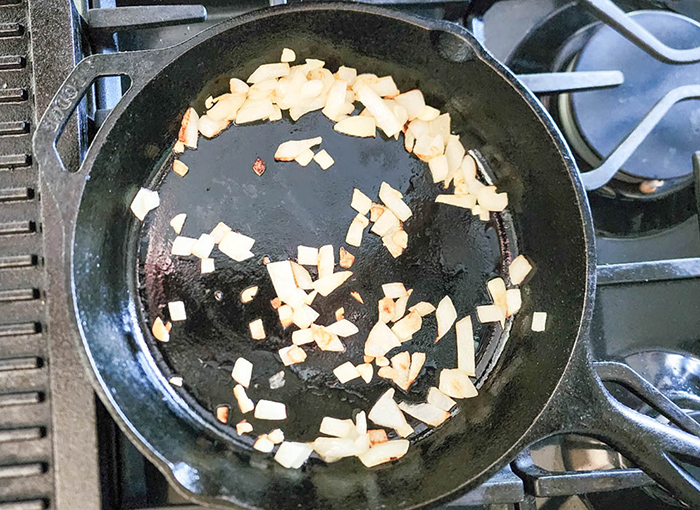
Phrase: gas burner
(596, 121)
(653, 191)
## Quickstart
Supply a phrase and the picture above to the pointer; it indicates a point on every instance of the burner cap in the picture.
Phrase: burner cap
(603, 118)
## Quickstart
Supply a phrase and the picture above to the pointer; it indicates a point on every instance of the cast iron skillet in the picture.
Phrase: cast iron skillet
(118, 273)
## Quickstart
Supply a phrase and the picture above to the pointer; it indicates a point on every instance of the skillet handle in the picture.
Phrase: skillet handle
(586, 407)
(140, 66)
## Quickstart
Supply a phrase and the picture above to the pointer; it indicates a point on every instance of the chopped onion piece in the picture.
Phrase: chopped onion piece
(307, 256)
(440, 400)
(336, 427)
(513, 301)
(286, 315)
(267, 71)
(269, 410)
(302, 336)
(327, 341)
(456, 384)
(388, 373)
(346, 259)
(417, 362)
(237, 86)
(290, 150)
(189, 129)
(428, 113)
(263, 444)
(219, 231)
(387, 223)
(392, 198)
(360, 202)
(225, 109)
(401, 304)
(249, 293)
(210, 128)
(423, 308)
(394, 290)
(276, 436)
(304, 316)
(384, 117)
(427, 413)
(274, 117)
(343, 328)
(288, 55)
(454, 154)
(282, 276)
(160, 331)
(236, 246)
(177, 311)
(245, 404)
(428, 147)
(385, 87)
(206, 266)
(324, 160)
(255, 109)
(395, 243)
(204, 246)
(222, 413)
(361, 423)
(409, 140)
(490, 313)
(375, 212)
(405, 328)
(176, 380)
(382, 361)
(387, 307)
(326, 261)
(257, 330)
(332, 449)
(381, 453)
(438, 168)
(412, 101)
(347, 74)
(356, 229)
(144, 202)
(328, 284)
(366, 371)
(465, 346)
(359, 126)
(301, 276)
(497, 290)
(519, 269)
(346, 372)
(335, 101)
(357, 297)
(490, 200)
(401, 363)
(178, 147)
(177, 222)
(277, 380)
(292, 455)
(463, 201)
(446, 316)
(243, 427)
(182, 246)
(386, 413)
(242, 372)
(305, 157)
(539, 321)
(380, 340)
(377, 436)
(180, 168)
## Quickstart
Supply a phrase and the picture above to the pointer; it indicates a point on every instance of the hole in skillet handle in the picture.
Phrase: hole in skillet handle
(452, 47)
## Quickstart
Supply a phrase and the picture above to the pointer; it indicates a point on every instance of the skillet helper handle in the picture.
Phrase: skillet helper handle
(139, 66)
(586, 407)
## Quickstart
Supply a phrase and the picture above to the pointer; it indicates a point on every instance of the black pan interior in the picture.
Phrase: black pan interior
(123, 273)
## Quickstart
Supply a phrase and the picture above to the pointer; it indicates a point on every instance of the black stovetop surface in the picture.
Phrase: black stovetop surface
(640, 308)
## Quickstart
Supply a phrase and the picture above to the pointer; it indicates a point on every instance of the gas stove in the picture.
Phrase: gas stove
(625, 97)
